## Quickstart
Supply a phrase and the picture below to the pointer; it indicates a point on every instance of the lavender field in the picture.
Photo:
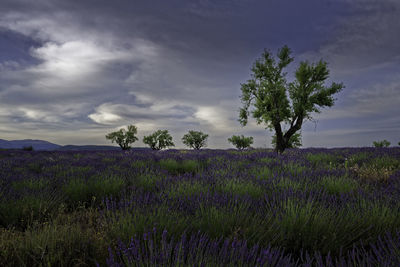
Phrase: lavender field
(306, 207)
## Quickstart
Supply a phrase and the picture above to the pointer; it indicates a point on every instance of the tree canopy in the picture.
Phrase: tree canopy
(158, 140)
(240, 141)
(271, 100)
(383, 143)
(124, 137)
(195, 139)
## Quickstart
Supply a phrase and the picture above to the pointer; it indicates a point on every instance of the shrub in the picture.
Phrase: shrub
(195, 139)
(124, 137)
(27, 148)
(241, 142)
(159, 140)
(384, 143)
(373, 172)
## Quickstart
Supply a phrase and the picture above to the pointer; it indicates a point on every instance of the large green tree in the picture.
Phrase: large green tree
(271, 100)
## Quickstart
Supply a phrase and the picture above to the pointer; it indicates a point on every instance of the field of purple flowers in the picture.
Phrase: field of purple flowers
(307, 207)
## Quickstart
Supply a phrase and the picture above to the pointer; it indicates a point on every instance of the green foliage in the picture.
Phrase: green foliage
(337, 185)
(292, 212)
(263, 172)
(357, 159)
(124, 225)
(23, 211)
(141, 164)
(187, 188)
(64, 242)
(237, 187)
(27, 148)
(378, 217)
(217, 222)
(377, 169)
(294, 141)
(293, 168)
(79, 191)
(372, 173)
(241, 142)
(287, 183)
(35, 167)
(386, 162)
(383, 143)
(147, 182)
(195, 139)
(159, 140)
(322, 160)
(33, 184)
(309, 226)
(267, 91)
(124, 137)
(175, 167)
(267, 160)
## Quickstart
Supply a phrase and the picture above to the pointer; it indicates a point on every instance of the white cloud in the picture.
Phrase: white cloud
(80, 62)
(216, 117)
(71, 59)
(157, 111)
(103, 117)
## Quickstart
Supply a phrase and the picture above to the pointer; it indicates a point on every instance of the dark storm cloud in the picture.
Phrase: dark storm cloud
(15, 47)
(368, 38)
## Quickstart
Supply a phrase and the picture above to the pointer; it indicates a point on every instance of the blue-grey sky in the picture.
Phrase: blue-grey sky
(73, 70)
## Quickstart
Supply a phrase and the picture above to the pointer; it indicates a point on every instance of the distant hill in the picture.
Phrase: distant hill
(36, 144)
(88, 147)
(44, 145)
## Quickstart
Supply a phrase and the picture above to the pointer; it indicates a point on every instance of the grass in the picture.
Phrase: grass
(338, 185)
(175, 167)
(286, 183)
(187, 188)
(33, 184)
(80, 191)
(70, 239)
(263, 172)
(323, 160)
(69, 208)
(238, 187)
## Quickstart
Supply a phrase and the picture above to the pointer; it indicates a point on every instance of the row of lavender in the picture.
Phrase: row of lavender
(306, 207)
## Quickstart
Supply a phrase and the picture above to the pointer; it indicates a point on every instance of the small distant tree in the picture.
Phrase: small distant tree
(294, 141)
(28, 148)
(384, 143)
(278, 103)
(241, 142)
(195, 139)
(124, 137)
(159, 140)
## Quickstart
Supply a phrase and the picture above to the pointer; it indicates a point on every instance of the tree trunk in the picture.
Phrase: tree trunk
(280, 141)
(280, 144)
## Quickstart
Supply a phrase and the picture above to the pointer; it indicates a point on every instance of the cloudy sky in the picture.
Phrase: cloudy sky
(73, 70)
